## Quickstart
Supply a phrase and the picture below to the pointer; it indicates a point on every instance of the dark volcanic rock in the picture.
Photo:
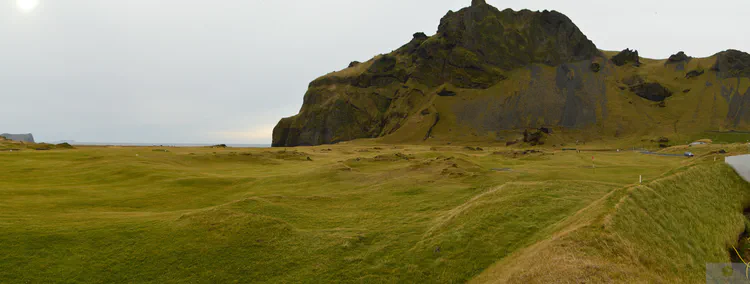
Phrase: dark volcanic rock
(475, 45)
(651, 91)
(677, 58)
(732, 63)
(569, 97)
(446, 93)
(694, 73)
(739, 104)
(354, 63)
(383, 64)
(595, 67)
(19, 137)
(411, 47)
(472, 49)
(534, 138)
(627, 56)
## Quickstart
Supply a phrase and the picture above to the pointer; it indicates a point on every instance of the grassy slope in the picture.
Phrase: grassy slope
(207, 215)
(664, 231)
(688, 116)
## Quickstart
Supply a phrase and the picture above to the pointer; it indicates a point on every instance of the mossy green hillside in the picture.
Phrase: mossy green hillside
(509, 71)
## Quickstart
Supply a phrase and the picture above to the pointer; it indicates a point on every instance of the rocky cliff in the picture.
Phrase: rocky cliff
(487, 73)
(19, 137)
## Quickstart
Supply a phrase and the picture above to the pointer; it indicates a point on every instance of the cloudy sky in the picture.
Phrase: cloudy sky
(225, 71)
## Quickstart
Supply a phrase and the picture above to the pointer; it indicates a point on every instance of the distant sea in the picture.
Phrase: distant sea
(168, 144)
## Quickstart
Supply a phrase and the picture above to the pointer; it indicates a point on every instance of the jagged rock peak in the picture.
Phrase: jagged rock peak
(473, 48)
(508, 39)
(627, 56)
(475, 3)
(732, 63)
(679, 57)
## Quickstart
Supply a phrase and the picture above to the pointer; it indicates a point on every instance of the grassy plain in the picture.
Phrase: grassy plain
(358, 212)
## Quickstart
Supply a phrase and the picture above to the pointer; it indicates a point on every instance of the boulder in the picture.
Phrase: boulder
(354, 63)
(627, 56)
(651, 91)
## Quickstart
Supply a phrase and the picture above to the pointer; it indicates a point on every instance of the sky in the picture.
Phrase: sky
(226, 71)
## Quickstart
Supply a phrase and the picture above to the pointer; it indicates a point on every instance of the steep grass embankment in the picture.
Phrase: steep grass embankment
(664, 231)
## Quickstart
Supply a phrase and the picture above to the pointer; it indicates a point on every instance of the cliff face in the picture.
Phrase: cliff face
(19, 137)
(473, 49)
(487, 71)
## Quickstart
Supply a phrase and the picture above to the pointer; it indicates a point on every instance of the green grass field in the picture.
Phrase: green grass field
(362, 213)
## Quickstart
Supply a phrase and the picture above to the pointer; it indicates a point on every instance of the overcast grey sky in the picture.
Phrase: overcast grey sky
(225, 71)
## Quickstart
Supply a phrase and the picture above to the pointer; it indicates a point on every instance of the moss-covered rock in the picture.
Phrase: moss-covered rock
(679, 57)
(694, 73)
(732, 63)
(627, 56)
(651, 91)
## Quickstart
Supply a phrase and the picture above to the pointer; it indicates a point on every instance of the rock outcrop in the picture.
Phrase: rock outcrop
(732, 63)
(694, 73)
(474, 48)
(678, 58)
(489, 74)
(651, 91)
(627, 56)
(477, 2)
(19, 137)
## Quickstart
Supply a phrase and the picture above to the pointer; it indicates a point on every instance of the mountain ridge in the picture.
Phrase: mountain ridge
(19, 137)
(507, 72)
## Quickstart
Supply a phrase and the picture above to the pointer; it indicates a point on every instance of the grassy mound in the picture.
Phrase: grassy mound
(64, 145)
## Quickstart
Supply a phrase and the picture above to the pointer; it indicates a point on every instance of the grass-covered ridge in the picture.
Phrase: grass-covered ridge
(664, 231)
(345, 213)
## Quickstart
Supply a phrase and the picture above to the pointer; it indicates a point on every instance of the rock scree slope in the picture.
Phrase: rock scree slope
(507, 71)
